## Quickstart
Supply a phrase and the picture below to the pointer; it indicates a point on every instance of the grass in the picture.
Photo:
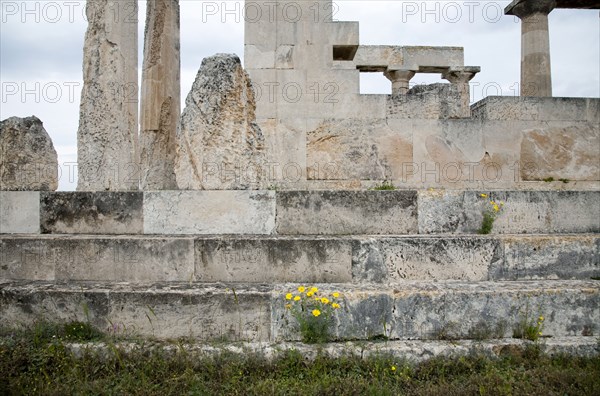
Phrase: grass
(385, 186)
(37, 361)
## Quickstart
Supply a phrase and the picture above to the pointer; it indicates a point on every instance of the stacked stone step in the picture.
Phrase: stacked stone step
(214, 264)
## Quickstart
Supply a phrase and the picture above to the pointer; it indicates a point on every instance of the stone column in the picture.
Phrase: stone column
(459, 78)
(536, 76)
(400, 79)
(107, 138)
(161, 100)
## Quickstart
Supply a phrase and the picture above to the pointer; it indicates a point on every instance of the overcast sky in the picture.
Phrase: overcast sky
(41, 46)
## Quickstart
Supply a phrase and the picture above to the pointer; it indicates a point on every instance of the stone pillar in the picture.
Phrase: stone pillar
(107, 138)
(536, 76)
(459, 78)
(160, 99)
(400, 79)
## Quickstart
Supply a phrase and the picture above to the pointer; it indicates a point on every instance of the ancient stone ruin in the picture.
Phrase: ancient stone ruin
(218, 129)
(280, 174)
(28, 161)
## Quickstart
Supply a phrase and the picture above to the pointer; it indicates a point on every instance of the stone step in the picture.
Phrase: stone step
(327, 259)
(244, 312)
(411, 351)
(345, 212)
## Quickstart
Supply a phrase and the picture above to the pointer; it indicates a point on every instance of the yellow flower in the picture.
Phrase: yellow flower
(541, 318)
(496, 208)
(325, 300)
(288, 306)
(316, 312)
(309, 294)
(335, 294)
(301, 289)
(297, 298)
(335, 305)
(393, 368)
(288, 296)
(492, 203)
(540, 333)
(483, 195)
(314, 289)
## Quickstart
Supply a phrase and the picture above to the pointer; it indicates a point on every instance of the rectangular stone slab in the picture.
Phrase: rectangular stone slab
(96, 212)
(346, 212)
(19, 212)
(209, 212)
(273, 260)
(524, 212)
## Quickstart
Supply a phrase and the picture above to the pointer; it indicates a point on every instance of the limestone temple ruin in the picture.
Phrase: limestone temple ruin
(280, 173)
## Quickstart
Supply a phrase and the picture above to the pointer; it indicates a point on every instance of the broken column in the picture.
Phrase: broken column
(161, 103)
(28, 161)
(107, 139)
(536, 76)
(220, 145)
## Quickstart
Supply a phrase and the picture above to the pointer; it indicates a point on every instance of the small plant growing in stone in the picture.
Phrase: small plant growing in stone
(385, 186)
(313, 311)
(490, 214)
(529, 328)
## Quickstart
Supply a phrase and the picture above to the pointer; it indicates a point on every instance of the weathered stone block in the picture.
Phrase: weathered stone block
(550, 257)
(19, 212)
(91, 213)
(29, 259)
(28, 161)
(25, 303)
(273, 260)
(346, 212)
(454, 310)
(524, 212)
(509, 108)
(357, 149)
(161, 98)
(123, 260)
(209, 212)
(107, 138)
(570, 152)
(204, 312)
(435, 101)
(220, 145)
(426, 258)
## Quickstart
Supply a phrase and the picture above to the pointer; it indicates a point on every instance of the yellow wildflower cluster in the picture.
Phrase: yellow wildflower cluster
(312, 310)
(310, 297)
(489, 214)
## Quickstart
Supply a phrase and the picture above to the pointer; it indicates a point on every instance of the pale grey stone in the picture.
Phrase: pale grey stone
(550, 257)
(220, 146)
(107, 138)
(357, 149)
(209, 212)
(273, 260)
(19, 212)
(161, 98)
(411, 310)
(91, 212)
(568, 153)
(28, 161)
(346, 212)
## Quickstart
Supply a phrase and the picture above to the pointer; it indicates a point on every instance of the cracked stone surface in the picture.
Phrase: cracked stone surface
(28, 160)
(107, 138)
(220, 146)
